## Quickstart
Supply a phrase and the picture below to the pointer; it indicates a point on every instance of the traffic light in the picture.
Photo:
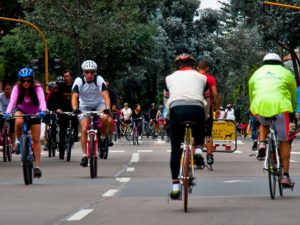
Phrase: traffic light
(37, 64)
(57, 64)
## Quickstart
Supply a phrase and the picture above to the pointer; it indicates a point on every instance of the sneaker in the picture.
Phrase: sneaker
(110, 143)
(84, 161)
(287, 182)
(140, 137)
(254, 146)
(37, 173)
(210, 159)
(261, 151)
(175, 195)
(45, 147)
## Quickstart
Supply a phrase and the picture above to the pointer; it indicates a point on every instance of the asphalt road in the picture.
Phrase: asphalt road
(132, 188)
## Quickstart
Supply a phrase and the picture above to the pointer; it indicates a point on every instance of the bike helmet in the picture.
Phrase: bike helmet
(89, 65)
(60, 80)
(184, 58)
(25, 72)
(272, 57)
(51, 84)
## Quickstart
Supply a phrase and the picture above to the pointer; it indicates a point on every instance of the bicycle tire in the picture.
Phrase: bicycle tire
(271, 169)
(161, 131)
(92, 157)
(186, 168)
(27, 163)
(9, 152)
(4, 147)
(128, 133)
(69, 143)
(49, 142)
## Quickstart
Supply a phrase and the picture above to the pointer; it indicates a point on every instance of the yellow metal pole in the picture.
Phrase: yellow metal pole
(43, 38)
(282, 5)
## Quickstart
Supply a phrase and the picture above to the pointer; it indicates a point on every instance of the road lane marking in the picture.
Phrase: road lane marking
(236, 181)
(145, 151)
(130, 169)
(123, 179)
(110, 193)
(135, 157)
(168, 150)
(293, 161)
(80, 214)
(116, 151)
(295, 153)
(238, 152)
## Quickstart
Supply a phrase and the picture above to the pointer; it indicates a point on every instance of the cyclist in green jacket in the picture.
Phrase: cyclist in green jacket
(273, 93)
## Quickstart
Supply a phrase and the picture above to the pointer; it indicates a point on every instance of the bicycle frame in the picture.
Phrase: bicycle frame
(6, 142)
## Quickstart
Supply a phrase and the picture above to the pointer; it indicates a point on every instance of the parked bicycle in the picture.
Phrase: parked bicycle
(52, 130)
(6, 142)
(186, 172)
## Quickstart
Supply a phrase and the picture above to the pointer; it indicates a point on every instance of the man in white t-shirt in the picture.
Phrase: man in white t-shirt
(229, 113)
(126, 114)
(90, 93)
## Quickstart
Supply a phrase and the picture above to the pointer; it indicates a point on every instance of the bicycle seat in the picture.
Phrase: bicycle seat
(187, 123)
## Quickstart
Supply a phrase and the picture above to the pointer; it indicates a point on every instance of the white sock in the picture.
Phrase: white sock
(176, 187)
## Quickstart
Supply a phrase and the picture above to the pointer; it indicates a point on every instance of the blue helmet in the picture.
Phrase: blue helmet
(25, 72)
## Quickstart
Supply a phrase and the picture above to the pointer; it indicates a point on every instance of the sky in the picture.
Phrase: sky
(213, 4)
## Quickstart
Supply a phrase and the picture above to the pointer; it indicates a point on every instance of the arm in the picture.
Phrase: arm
(105, 95)
(74, 100)
(216, 101)
(13, 99)
(41, 97)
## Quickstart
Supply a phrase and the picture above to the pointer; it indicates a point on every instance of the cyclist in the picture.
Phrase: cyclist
(59, 100)
(91, 91)
(160, 117)
(137, 117)
(152, 116)
(185, 88)
(212, 98)
(272, 93)
(126, 113)
(28, 97)
(116, 114)
(229, 113)
(4, 101)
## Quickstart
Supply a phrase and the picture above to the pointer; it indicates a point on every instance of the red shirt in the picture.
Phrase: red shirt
(211, 81)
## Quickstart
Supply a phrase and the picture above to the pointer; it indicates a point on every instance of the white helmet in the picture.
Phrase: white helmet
(272, 57)
(89, 65)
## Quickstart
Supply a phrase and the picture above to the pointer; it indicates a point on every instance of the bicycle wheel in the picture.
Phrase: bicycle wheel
(4, 147)
(8, 150)
(27, 163)
(161, 131)
(49, 142)
(271, 168)
(128, 133)
(68, 144)
(92, 157)
(186, 166)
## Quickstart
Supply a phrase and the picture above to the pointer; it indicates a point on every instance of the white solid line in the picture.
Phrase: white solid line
(80, 214)
(110, 193)
(145, 151)
(130, 169)
(123, 179)
(116, 151)
(135, 157)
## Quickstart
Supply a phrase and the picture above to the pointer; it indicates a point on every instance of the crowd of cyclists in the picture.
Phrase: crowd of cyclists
(190, 94)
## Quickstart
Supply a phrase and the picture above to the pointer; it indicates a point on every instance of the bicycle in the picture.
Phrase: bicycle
(6, 142)
(69, 139)
(273, 163)
(52, 134)
(186, 173)
(161, 122)
(92, 142)
(26, 150)
(126, 130)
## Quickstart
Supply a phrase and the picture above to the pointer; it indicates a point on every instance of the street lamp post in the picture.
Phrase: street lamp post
(43, 39)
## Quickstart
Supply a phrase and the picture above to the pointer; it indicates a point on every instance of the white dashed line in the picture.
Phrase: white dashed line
(293, 161)
(123, 179)
(295, 153)
(130, 169)
(236, 181)
(135, 157)
(238, 152)
(116, 151)
(145, 151)
(168, 150)
(80, 214)
(110, 193)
